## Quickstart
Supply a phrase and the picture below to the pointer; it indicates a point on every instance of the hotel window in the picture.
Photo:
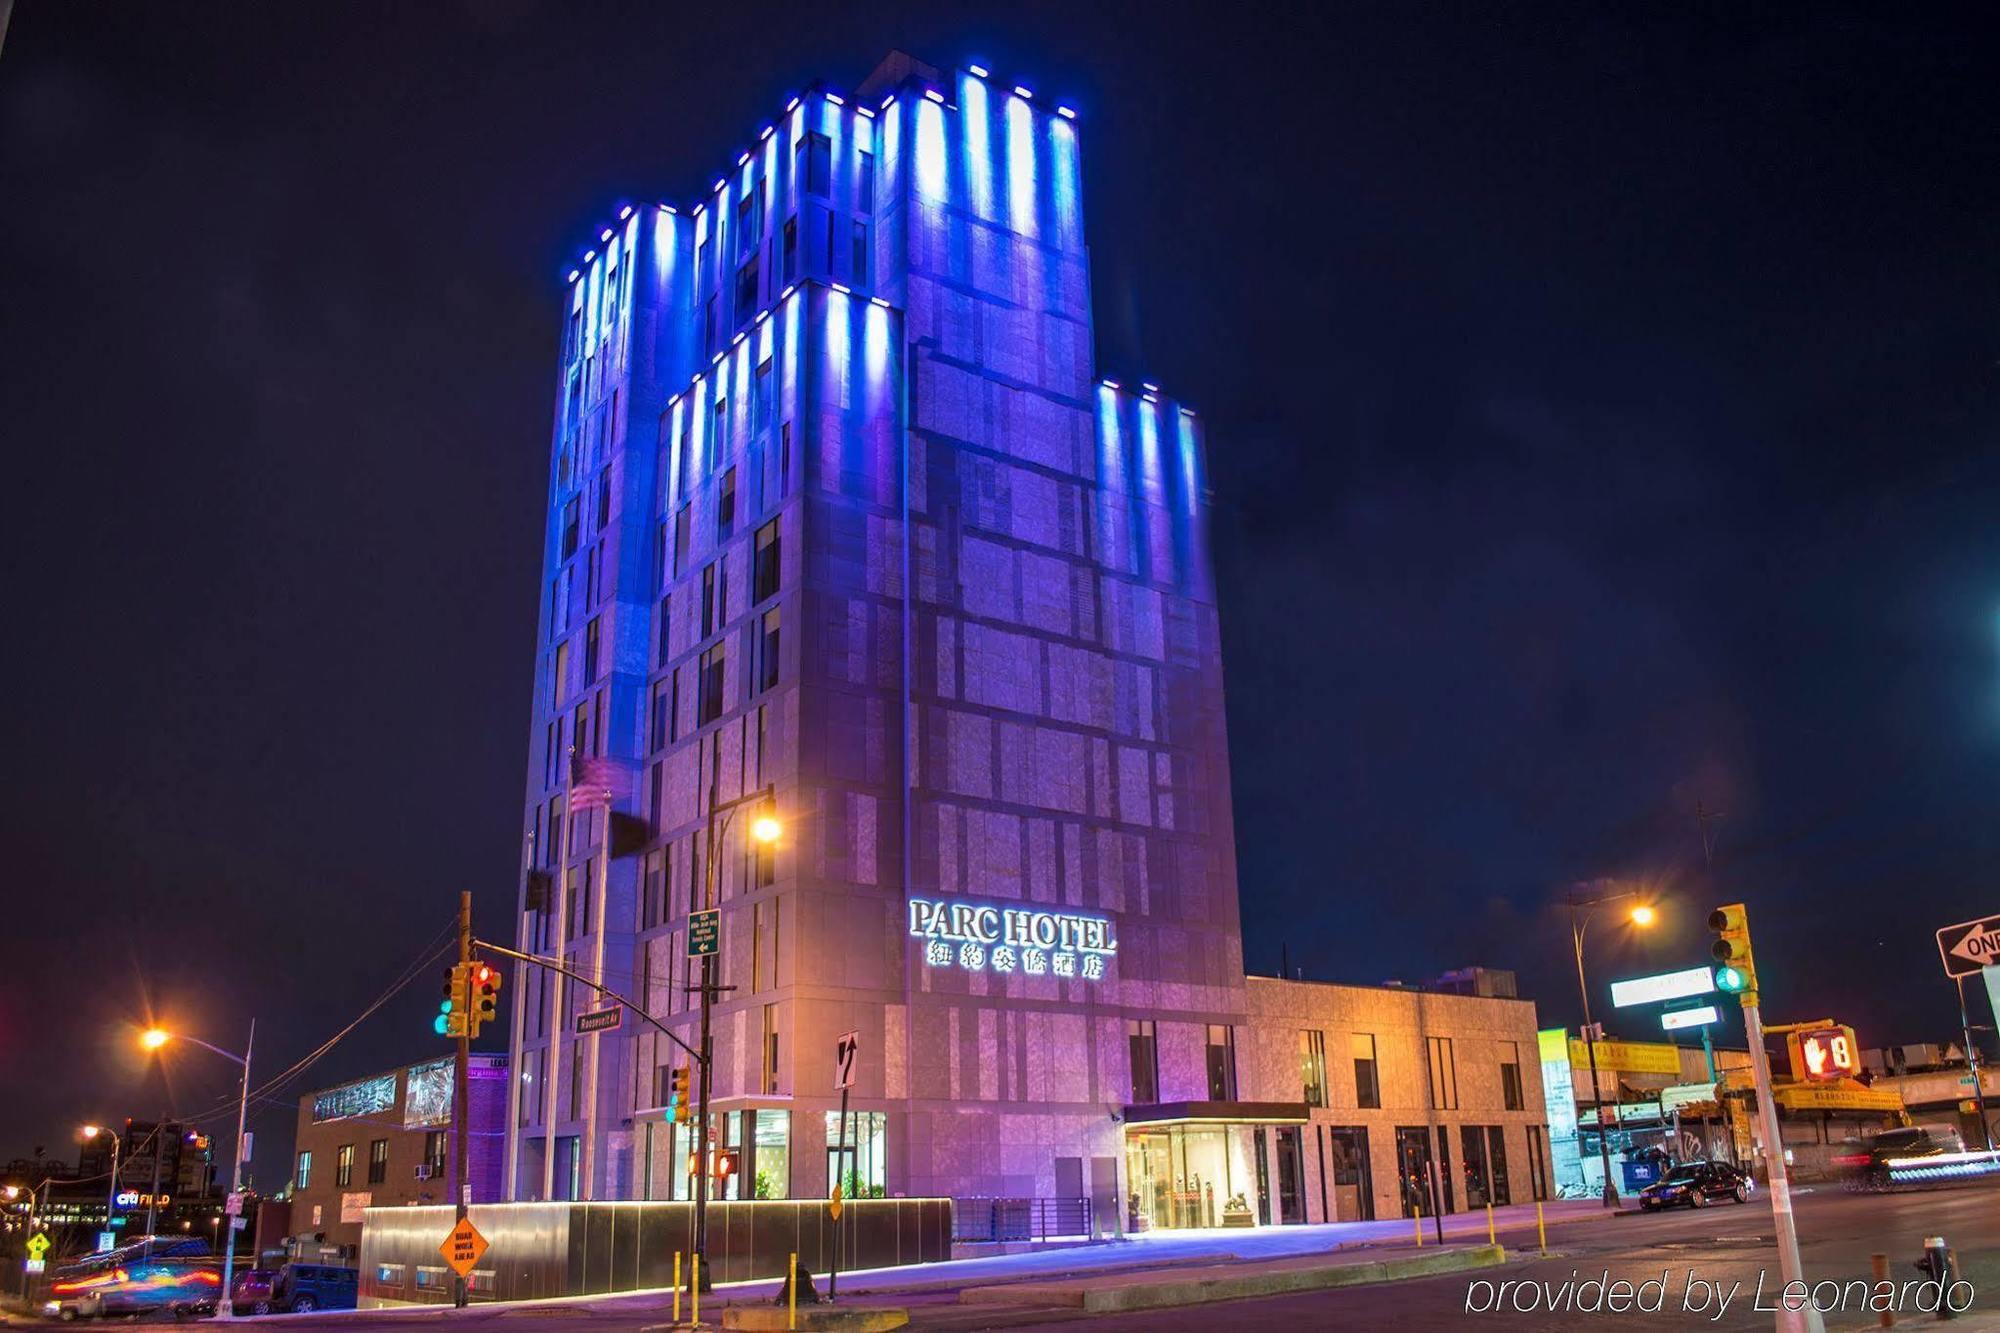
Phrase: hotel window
(656, 736)
(1312, 1066)
(558, 670)
(725, 506)
(720, 440)
(708, 326)
(759, 978)
(789, 265)
(663, 648)
(604, 500)
(1444, 1074)
(764, 571)
(652, 883)
(680, 540)
(746, 290)
(864, 183)
(816, 150)
(305, 1170)
(1221, 1062)
(1510, 1077)
(760, 397)
(767, 651)
(784, 460)
(770, 1048)
(1367, 1083)
(749, 220)
(867, 1139)
(710, 703)
(860, 255)
(1142, 1038)
(591, 636)
(571, 533)
(343, 1166)
(434, 1150)
(708, 616)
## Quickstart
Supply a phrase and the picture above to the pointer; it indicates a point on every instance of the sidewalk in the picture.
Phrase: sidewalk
(1154, 1289)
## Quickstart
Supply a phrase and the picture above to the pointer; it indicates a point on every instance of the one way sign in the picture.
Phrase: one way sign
(1969, 946)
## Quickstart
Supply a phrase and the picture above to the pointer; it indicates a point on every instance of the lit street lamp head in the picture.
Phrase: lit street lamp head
(154, 1038)
(92, 1131)
(1643, 915)
(764, 829)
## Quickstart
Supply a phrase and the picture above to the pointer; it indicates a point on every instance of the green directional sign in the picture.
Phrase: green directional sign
(704, 932)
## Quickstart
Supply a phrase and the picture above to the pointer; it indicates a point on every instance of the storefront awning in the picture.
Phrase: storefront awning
(1217, 1113)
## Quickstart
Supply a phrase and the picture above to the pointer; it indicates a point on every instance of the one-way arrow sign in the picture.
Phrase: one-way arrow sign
(1969, 946)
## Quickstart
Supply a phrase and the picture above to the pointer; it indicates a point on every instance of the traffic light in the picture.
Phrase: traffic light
(484, 984)
(452, 1014)
(1736, 970)
(725, 1163)
(677, 1095)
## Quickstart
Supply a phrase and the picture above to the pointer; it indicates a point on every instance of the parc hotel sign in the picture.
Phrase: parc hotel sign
(1029, 940)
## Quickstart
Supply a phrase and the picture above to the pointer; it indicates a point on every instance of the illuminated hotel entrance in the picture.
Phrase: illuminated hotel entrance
(1210, 1164)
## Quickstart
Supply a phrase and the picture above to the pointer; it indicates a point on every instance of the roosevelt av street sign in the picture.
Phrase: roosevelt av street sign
(1969, 946)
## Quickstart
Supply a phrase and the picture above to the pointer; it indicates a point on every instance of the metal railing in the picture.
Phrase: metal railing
(985, 1219)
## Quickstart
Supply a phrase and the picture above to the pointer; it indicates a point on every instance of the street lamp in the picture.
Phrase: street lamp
(110, 1195)
(155, 1038)
(765, 828)
(1641, 915)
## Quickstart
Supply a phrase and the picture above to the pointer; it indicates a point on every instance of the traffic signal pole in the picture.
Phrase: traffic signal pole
(1790, 1268)
(460, 1182)
(1972, 1067)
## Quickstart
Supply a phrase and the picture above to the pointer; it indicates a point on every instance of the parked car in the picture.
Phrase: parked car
(300, 1287)
(1695, 1184)
(252, 1293)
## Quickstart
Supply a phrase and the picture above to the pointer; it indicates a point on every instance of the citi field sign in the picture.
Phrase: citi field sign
(1030, 940)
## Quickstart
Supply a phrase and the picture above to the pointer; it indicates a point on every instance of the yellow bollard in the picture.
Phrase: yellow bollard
(1491, 1239)
(792, 1288)
(1541, 1228)
(694, 1293)
(677, 1286)
(1419, 1219)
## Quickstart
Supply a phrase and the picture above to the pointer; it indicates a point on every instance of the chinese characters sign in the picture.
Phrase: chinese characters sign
(1028, 940)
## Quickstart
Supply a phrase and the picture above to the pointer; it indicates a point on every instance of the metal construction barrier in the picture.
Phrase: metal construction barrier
(538, 1250)
(981, 1219)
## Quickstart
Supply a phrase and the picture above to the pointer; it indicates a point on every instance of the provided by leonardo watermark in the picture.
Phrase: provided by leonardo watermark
(1688, 1292)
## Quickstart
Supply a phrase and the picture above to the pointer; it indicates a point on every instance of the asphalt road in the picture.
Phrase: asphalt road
(1724, 1244)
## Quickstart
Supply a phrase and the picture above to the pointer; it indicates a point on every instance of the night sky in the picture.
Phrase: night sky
(1601, 400)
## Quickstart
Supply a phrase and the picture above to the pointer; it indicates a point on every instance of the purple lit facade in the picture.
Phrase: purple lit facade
(841, 507)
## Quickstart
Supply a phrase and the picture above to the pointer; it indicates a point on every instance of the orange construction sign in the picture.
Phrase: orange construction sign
(462, 1248)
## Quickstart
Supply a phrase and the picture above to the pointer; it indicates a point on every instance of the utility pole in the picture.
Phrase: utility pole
(153, 1199)
(461, 1183)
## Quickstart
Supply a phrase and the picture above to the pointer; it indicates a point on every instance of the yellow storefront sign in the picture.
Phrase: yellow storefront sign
(1800, 1097)
(1628, 1057)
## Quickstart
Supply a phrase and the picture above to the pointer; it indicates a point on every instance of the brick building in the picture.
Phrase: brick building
(386, 1141)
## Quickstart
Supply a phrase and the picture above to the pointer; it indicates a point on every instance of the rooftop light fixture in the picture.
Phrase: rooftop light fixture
(766, 134)
(882, 301)
(668, 208)
(842, 290)
(864, 111)
(934, 95)
(589, 255)
(1110, 384)
(743, 160)
(835, 99)
(1066, 113)
(792, 105)
(573, 275)
(978, 71)
(1025, 94)
(604, 235)
(625, 212)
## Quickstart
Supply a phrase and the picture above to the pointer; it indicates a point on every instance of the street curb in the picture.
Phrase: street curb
(1109, 1298)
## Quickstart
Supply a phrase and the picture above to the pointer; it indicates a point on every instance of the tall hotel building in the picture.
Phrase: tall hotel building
(841, 508)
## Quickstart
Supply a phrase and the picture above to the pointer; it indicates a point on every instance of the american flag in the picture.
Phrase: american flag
(594, 781)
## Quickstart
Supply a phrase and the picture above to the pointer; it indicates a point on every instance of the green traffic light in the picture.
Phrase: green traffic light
(1729, 979)
(441, 1024)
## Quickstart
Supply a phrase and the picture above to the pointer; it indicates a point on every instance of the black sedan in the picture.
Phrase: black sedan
(1695, 1184)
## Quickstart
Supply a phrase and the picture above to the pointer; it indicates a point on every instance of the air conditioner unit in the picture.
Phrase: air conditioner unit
(423, 1171)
